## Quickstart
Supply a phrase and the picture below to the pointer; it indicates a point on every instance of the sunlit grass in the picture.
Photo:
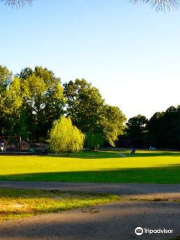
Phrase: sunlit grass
(26, 203)
(143, 167)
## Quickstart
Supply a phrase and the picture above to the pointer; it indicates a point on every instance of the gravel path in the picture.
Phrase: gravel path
(135, 191)
(115, 221)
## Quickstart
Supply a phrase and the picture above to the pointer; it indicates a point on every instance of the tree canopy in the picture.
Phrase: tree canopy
(162, 130)
(89, 112)
(30, 102)
(33, 99)
(136, 130)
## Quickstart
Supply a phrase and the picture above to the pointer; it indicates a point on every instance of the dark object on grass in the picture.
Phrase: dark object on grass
(133, 150)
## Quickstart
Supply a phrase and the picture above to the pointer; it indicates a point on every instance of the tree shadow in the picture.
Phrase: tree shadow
(114, 154)
(87, 155)
(154, 154)
(169, 174)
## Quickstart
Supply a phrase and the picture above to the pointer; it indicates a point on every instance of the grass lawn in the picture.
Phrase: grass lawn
(26, 203)
(109, 167)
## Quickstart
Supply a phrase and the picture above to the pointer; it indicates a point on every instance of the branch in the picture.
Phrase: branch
(160, 5)
(17, 3)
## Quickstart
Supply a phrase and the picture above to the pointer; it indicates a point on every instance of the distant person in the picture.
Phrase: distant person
(2, 147)
(133, 150)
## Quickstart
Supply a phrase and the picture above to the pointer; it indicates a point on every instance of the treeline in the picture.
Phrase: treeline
(33, 99)
(162, 130)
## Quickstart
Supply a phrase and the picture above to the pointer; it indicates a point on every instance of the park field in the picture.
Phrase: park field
(100, 167)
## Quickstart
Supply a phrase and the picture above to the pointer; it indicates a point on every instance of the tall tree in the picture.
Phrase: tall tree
(5, 79)
(85, 105)
(113, 123)
(136, 130)
(164, 128)
(89, 113)
(155, 129)
(42, 99)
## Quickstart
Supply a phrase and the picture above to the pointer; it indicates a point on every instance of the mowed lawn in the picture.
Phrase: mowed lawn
(104, 167)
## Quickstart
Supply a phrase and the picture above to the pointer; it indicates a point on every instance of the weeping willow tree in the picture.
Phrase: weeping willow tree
(160, 5)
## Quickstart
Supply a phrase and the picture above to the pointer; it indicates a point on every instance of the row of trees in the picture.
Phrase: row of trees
(162, 130)
(33, 99)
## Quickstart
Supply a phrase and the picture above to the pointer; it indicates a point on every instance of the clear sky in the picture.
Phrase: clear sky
(130, 52)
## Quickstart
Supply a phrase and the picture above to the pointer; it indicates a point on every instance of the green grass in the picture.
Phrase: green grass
(109, 167)
(26, 203)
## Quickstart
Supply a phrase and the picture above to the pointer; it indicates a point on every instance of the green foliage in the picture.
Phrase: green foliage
(164, 128)
(5, 79)
(42, 100)
(11, 100)
(136, 130)
(13, 97)
(32, 100)
(113, 124)
(94, 141)
(86, 107)
(64, 137)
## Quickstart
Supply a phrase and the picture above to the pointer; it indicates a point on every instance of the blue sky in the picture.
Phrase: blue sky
(130, 52)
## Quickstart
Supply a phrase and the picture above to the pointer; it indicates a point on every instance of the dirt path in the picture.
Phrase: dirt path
(134, 191)
(115, 221)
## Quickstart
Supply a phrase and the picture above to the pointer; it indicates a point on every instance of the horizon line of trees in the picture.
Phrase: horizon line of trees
(35, 98)
(161, 131)
(31, 101)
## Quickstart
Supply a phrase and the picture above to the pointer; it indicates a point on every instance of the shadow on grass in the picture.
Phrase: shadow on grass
(167, 174)
(104, 154)
(154, 154)
(87, 155)
(113, 154)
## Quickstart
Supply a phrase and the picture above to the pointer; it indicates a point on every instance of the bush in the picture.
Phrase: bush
(64, 137)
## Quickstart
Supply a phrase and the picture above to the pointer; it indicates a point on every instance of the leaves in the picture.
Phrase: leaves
(160, 5)
(87, 108)
(64, 137)
(17, 3)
